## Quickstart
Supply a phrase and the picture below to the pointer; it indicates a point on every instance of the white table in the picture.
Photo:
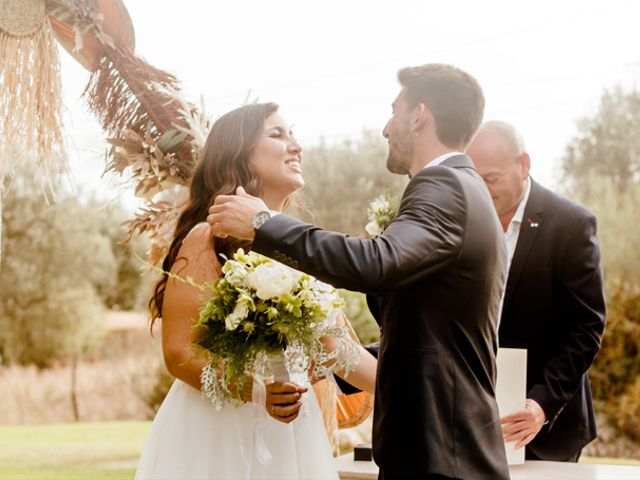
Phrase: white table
(348, 469)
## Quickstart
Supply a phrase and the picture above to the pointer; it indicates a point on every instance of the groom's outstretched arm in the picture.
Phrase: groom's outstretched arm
(425, 237)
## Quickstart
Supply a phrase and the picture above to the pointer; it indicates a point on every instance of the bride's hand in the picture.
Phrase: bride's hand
(283, 400)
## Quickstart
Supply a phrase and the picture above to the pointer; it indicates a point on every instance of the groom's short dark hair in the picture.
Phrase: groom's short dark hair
(453, 97)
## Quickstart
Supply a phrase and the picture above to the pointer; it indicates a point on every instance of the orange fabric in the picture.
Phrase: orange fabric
(352, 410)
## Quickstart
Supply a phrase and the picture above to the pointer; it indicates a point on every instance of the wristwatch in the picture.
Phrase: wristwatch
(261, 218)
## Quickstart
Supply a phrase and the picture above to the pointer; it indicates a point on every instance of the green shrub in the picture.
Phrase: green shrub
(627, 417)
(617, 365)
(616, 368)
(54, 263)
(60, 325)
(358, 314)
(342, 180)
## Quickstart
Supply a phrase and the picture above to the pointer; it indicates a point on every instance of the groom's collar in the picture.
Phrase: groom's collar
(442, 158)
(453, 160)
(460, 160)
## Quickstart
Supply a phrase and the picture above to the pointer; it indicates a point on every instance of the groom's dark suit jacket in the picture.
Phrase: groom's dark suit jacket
(439, 270)
(554, 307)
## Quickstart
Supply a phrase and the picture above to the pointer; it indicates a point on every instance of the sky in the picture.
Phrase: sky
(332, 65)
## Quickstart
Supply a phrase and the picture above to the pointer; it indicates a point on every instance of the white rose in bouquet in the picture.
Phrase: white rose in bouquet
(272, 280)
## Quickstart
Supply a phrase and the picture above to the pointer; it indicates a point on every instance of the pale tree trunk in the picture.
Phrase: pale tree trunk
(1, 221)
(74, 394)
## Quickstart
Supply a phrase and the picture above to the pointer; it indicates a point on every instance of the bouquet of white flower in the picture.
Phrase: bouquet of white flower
(381, 212)
(261, 310)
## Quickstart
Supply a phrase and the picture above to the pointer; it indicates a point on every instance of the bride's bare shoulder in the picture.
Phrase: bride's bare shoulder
(200, 230)
(197, 255)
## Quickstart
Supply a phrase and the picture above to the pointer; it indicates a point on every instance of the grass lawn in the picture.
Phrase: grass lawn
(611, 461)
(74, 451)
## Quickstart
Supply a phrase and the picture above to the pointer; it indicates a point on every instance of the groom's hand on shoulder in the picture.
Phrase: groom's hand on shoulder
(283, 400)
(232, 215)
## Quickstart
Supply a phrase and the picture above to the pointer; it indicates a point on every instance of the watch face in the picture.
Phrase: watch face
(260, 219)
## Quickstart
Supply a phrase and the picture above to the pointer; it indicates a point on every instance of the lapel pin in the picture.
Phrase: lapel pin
(533, 224)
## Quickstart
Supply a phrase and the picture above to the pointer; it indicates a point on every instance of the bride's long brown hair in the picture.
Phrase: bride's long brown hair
(224, 166)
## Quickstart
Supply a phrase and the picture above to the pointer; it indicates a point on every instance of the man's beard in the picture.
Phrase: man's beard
(399, 156)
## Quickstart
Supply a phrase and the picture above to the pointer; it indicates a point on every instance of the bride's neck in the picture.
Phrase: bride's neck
(274, 201)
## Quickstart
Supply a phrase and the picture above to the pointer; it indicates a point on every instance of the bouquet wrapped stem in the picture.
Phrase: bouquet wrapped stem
(278, 366)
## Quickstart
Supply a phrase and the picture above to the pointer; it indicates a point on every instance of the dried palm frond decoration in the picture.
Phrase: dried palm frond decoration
(30, 104)
(155, 134)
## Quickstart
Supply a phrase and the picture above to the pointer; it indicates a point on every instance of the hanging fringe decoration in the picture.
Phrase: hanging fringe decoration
(30, 104)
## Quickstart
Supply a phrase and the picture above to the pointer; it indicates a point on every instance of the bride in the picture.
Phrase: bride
(252, 147)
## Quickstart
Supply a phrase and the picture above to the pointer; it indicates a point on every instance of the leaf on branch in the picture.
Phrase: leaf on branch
(157, 220)
(170, 140)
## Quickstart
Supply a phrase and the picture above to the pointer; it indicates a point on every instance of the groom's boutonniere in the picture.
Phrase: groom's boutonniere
(381, 212)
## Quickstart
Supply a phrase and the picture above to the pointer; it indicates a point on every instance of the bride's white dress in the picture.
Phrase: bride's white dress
(189, 439)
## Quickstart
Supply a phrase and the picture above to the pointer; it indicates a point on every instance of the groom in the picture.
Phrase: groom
(438, 273)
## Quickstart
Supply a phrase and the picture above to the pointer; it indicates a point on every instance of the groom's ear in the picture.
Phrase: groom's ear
(421, 117)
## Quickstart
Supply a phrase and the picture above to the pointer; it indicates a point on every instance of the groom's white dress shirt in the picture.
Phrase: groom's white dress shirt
(441, 158)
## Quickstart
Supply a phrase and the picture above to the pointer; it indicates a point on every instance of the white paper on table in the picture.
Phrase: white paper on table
(511, 391)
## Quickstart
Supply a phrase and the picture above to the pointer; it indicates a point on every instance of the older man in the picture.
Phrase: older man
(554, 301)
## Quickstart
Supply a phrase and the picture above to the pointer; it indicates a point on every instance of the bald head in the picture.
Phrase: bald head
(499, 154)
(505, 134)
